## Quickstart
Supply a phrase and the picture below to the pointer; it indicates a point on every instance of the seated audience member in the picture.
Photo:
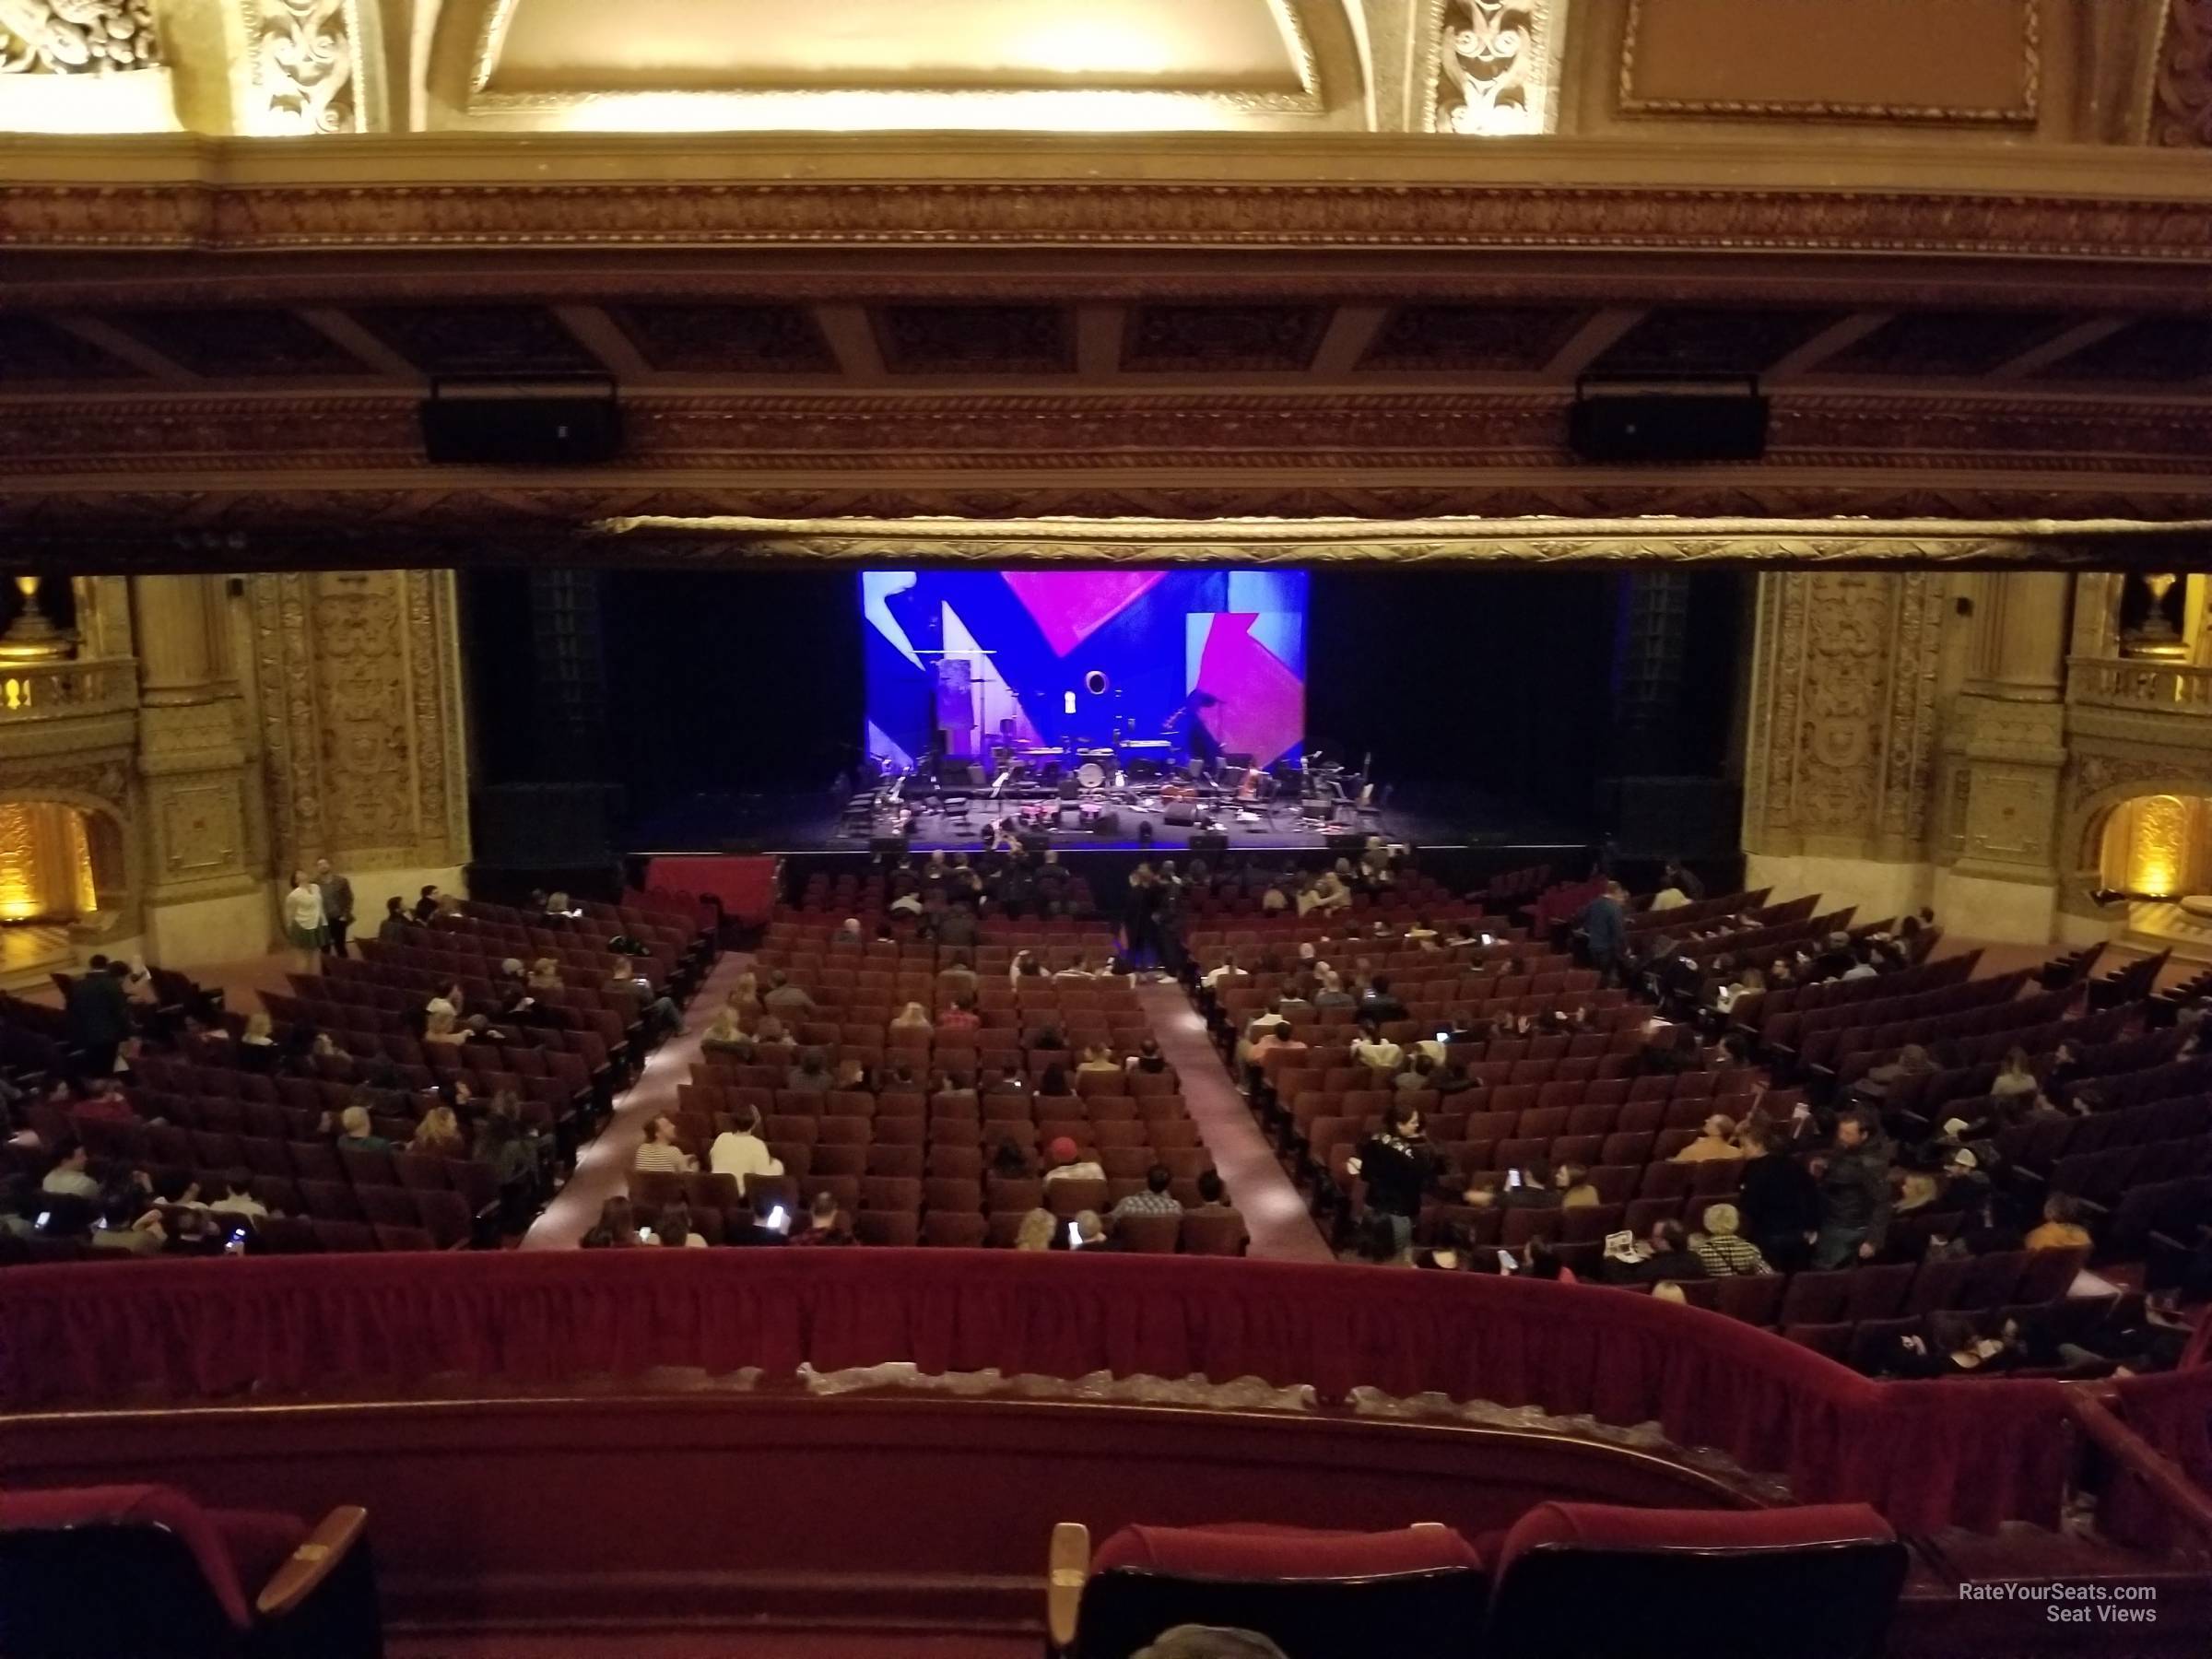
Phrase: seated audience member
(1078, 969)
(1950, 1347)
(960, 1016)
(1912, 1062)
(1716, 1139)
(1376, 1051)
(810, 1076)
(741, 1151)
(1571, 1182)
(426, 904)
(443, 1028)
(439, 1135)
(852, 1077)
(1040, 1229)
(69, 1177)
(674, 1228)
(1663, 1254)
(2015, 1079)
(1147, 1058)
(825, 1223)
(1009, 1161)
(1089, 1234)
(783, 998)
(2062, 1228)
(1378, 1004)
(1213, 1195)
(130, 1225)
(617, 1228)
(723, 1036)
(229, 1198)
(355, 1133)
(912, 1017)
(958, 977)
(1068, 1162)
(1719, 1248)
(397, 927)
(1025, 965)
(1539, 1260)
(1155, 1200)
(1097, 1057)
(661, 1153)
(544, 975)
(744, 999)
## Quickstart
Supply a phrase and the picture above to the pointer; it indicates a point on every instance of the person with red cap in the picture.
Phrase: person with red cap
(1068, 1162)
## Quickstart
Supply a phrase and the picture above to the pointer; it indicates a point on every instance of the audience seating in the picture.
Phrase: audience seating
(98, 1573)
(1416, 1593)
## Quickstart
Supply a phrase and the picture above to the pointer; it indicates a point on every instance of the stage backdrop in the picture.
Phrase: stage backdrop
(1212, 660)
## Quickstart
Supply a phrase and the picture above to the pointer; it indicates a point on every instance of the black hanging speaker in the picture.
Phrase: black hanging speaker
(1663, 421)
(521, 423)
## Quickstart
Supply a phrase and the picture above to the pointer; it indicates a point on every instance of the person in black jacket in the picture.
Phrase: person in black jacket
(1779, 1201)
(1397, 1163)
(1854, 1176)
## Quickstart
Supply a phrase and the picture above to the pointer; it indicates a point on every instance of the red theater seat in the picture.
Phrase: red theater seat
(93, 1572)
(1577, 1580)
(1320, 1595)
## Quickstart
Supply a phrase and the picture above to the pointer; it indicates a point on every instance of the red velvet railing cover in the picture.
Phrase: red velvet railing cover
(1926, 1454)
(2173, 1410)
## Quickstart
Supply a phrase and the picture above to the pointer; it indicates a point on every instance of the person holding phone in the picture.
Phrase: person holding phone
(1397, 1163)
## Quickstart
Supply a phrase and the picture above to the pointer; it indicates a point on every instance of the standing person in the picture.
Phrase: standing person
(1606, 927)
(1397, 1164)
(338, 906)
(1779, 1207)
(303, 922)
(1854, 1194)
(97, 1017)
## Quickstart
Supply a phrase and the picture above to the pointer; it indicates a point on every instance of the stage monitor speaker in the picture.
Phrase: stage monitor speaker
(1034, 841)
(1347, 846)
(1664, 816)
(886, 846)
(1106, 823)
(1183, 814)
(520, 424)
(1209, 841)
(543, 826)
(1641, 420)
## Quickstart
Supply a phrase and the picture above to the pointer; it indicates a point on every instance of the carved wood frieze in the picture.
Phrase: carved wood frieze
(2180, 104)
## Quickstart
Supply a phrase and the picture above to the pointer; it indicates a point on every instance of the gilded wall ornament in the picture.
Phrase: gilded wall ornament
(77, 37)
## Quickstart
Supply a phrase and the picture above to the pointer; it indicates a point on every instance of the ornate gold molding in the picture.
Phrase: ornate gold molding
(2180, 93)
(1488, 66)
(210, 212)
(77, 37)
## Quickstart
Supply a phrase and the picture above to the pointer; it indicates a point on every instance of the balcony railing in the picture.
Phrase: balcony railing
(2140, 683)
(53, 690)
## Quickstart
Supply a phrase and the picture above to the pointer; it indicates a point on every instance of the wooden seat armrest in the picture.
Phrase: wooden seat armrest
(1066, 1573)
(312, 1562)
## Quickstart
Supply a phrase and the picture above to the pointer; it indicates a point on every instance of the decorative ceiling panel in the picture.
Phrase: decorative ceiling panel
(239, 343)
(478, 339)
(1684, 340)
(1166, 339)
(1946, 342)
(726, 339)
(34, 349)
(975, 339)
(2164, 349)
(1472, 338)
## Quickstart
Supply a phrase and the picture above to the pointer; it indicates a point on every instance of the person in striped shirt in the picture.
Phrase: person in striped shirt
(1719, 1248)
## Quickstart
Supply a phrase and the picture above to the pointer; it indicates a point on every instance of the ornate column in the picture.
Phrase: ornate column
(1840, 760)
(206, 895)
(2004, 754)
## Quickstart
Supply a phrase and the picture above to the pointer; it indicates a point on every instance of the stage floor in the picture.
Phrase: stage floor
(769, 822)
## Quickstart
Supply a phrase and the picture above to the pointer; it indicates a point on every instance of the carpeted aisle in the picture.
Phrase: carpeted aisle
(1281, 1228)
(603, 1168)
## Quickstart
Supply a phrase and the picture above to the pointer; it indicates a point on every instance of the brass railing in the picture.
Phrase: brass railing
(2140, 683)
(51, 690)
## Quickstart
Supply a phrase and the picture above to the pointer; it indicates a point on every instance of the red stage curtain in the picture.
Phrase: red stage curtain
(1926, 1454)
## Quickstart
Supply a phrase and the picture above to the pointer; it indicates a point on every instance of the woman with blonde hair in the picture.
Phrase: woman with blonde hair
(744, 995)
(439, 1135)
(912, 1017)
(545, 974)
(1038, 1231)
(304, 925)
(443, 1028)
(723, 1035)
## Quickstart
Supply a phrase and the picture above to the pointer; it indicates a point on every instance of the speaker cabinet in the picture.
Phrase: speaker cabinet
(1183, 814)
(1106, 824)
(1207, 841)
(500, 428)
(1692, 424)
(887, 846)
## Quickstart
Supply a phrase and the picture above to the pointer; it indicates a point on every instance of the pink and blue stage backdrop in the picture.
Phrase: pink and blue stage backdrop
(1211, 662)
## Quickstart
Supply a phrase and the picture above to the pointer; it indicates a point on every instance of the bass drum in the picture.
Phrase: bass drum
(1091, 775)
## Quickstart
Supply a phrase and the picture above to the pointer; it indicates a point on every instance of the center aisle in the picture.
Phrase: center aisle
(1275, 1213)
(603, 1168)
